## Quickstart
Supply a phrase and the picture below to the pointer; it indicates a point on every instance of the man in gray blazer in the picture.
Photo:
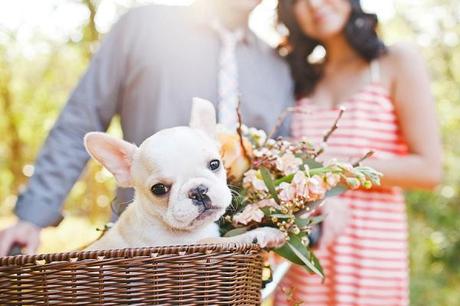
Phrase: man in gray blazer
(147, 69)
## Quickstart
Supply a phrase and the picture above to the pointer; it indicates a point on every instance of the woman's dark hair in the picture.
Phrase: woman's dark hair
(360, 32)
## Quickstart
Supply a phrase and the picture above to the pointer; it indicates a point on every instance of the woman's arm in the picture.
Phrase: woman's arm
(415, 109)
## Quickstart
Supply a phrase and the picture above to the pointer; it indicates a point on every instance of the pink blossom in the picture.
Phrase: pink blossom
(346, 166)
(267, 203)
(300, 184)
(341, 165)
(286, 192)
(332, 179)
(252, 178)
(316, 187)
(331, 162)
(250, 213)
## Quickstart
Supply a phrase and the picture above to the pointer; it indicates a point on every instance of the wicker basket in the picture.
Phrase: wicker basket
(178, 275)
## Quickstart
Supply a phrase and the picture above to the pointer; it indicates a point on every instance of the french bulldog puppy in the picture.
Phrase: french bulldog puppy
(180, 186)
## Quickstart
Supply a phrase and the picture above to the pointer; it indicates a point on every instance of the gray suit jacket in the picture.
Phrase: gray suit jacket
(147, 69)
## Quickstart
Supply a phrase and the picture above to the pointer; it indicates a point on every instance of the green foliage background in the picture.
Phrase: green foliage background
(34, 88)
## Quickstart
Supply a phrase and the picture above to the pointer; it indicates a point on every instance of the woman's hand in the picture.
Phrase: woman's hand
(336, 221)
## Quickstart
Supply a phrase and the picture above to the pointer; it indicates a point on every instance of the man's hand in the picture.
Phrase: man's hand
(23, 233)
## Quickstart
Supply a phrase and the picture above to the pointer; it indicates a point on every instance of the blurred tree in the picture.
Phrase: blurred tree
(90, 34)
(32, 92)
(433, 217)
(12, 144)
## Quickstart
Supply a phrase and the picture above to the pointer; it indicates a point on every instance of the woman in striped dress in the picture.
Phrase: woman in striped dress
(389, 110)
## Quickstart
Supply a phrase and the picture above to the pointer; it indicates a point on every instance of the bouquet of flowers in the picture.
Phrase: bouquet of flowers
(281, 183)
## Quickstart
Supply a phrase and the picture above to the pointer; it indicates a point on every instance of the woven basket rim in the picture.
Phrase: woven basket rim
(20, 260)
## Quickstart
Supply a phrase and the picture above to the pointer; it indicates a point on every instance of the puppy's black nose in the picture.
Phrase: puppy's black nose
(198, 193)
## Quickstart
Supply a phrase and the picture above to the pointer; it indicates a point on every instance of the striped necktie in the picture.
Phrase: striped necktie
(228, 75)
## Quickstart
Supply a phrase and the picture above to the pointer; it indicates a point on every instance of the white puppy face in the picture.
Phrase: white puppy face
(177, 173)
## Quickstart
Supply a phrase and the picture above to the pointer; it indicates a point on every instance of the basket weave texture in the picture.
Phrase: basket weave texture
(176, 275)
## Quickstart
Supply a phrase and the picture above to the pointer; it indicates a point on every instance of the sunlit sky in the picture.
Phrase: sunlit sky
(57, 20)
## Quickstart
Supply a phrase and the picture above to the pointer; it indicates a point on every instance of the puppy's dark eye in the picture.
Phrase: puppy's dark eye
(214, 164)
(159, 189)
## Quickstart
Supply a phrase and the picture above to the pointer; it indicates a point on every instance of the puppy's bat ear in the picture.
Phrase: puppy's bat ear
(203, 116)
(114, 154)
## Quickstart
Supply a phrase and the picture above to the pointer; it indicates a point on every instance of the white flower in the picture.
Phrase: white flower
(300, 184)
(244, 129)
(288, 163)
(261, 152)
(258, 135)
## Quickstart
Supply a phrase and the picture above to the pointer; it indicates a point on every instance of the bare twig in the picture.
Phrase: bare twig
(282, 117)
(320, 151)
(368, 154)
(335, 126)
(240, 132)
(330, 132)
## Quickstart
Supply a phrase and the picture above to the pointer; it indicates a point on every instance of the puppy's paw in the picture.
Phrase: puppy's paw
(267, 237)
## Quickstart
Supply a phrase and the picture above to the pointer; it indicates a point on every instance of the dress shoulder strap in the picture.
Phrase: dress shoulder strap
(375, 71)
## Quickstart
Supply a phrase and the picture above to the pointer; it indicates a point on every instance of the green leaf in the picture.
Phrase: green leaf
(281, 216)
(297, 253)
(284, 179)
(316, 168)
(236, 232)
(307, 261)
(337, 190)
(319, 171)
(266, 211)
(313, 164)
(316, 262)
(302, 222)
(238, 198)
(317, 219)
(373, 175)
(269, 183)
(287, 253)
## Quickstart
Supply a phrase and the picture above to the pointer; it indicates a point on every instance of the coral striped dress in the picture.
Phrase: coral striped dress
(367, 264)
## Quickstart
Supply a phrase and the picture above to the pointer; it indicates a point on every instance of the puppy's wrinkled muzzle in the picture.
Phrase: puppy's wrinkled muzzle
(200, 198)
